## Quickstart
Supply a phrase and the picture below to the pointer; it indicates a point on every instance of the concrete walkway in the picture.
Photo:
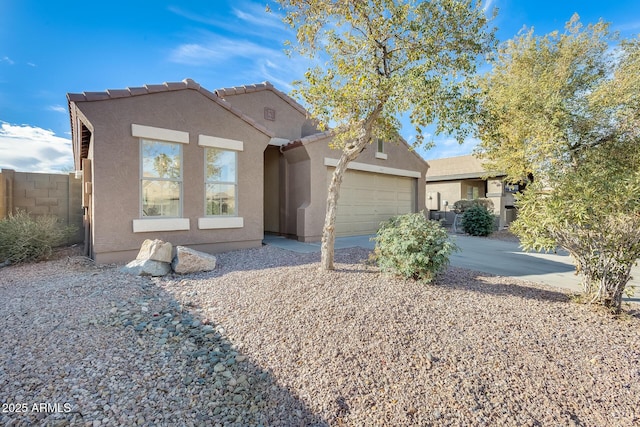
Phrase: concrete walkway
(492, 256)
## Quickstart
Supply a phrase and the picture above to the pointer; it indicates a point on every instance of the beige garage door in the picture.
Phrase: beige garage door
(367, 199)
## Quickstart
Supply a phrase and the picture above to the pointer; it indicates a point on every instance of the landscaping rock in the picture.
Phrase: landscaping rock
(147, 267)
(188, 260)
(156, 250)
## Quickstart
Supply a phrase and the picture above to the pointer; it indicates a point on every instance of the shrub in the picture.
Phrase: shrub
(462, 205)
(478, 221)
(413, 247)
(24, 238)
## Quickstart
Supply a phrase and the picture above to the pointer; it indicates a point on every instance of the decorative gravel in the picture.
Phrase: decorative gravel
(268, 339)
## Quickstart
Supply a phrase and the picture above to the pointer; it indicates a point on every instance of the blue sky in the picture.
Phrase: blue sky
(49, 48)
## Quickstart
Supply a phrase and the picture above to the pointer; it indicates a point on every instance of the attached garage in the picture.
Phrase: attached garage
(367, 199)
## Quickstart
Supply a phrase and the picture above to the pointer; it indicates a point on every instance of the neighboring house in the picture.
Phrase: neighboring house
(463, 178)
(216, 170)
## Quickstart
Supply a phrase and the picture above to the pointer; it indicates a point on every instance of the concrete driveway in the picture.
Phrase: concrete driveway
(492, 256)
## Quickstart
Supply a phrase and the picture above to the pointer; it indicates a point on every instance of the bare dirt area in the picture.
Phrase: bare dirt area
(267, 339)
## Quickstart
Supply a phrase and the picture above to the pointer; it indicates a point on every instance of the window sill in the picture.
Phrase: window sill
(220, 222)
(160, 224)
(382, 156)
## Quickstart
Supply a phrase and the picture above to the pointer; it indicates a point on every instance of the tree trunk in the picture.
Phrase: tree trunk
(329, 230)
(349, 153)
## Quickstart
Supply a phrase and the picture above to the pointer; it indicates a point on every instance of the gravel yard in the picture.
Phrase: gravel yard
(267, 339)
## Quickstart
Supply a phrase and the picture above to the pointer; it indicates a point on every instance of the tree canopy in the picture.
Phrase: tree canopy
(560, 113)
(379, 59)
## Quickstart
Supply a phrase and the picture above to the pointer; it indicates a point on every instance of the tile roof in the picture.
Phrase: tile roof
(308, 140)
(187, 84)
(239, 90)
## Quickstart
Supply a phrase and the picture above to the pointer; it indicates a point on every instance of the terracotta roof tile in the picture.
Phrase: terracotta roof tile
(308, 139)
(165, 87)
(156, 88)
(138, 91)
(96, 96)
(175, 85)
(118, 93)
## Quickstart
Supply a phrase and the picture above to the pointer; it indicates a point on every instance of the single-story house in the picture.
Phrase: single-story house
(217, 170)
(464, 178)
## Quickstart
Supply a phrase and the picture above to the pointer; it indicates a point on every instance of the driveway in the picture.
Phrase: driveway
(492, 256)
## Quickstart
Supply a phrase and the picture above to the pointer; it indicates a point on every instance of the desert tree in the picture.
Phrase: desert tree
(380, 59)
(560, 113)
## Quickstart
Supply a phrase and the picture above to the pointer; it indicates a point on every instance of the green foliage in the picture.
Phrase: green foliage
(477, 220)
(24, 238)
(535, 111)
(562, 113)
(413, 247)
(461, 206)
(381, 59)
(386, 58)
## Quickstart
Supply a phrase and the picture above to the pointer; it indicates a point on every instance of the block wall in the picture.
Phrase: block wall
(59, 195)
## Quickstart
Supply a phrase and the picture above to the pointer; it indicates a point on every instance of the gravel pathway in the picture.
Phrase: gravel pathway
(267, 339)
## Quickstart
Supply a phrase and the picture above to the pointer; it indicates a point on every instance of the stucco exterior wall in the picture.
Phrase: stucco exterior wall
(310, 217)
(116, 177)
(287, 121)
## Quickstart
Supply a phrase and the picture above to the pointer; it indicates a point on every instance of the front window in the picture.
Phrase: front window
(161, 179)
(380, 148)
(221, 182)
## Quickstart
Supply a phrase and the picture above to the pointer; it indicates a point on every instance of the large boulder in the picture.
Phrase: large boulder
(156, 250)
(147, 267)
(154, 259)
(188, 260)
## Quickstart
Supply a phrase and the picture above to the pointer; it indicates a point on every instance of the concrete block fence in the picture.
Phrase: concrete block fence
(59, 195)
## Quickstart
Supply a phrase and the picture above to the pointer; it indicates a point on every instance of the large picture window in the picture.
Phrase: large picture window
(221, 182)
(161, 182)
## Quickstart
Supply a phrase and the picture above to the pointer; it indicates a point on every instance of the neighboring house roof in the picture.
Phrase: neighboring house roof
(239, 90)
(186, 84)
(454, 168)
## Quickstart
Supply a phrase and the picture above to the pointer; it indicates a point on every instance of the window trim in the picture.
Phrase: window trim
(160, 224)
(159, 134)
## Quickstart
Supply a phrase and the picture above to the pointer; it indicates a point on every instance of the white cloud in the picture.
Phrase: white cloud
(26, 148)
(7, 60)
(256, 15)
(57, 108)
(219, 48)
(487, 5)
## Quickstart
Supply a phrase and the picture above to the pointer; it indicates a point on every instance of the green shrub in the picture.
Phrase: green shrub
(413, 247)
(478, 221)
(25, 238)
(462, 205)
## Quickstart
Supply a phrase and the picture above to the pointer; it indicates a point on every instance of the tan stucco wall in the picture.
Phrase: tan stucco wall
(288, 122)
(310, 212)
(116, 171)
(272, 190)
(450, 191)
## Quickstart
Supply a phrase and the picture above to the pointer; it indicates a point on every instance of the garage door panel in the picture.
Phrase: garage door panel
(367, 199)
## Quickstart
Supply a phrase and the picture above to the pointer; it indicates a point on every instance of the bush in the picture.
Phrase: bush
(462, 205)
(413, 247)
(478, 221)
(24, 238)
